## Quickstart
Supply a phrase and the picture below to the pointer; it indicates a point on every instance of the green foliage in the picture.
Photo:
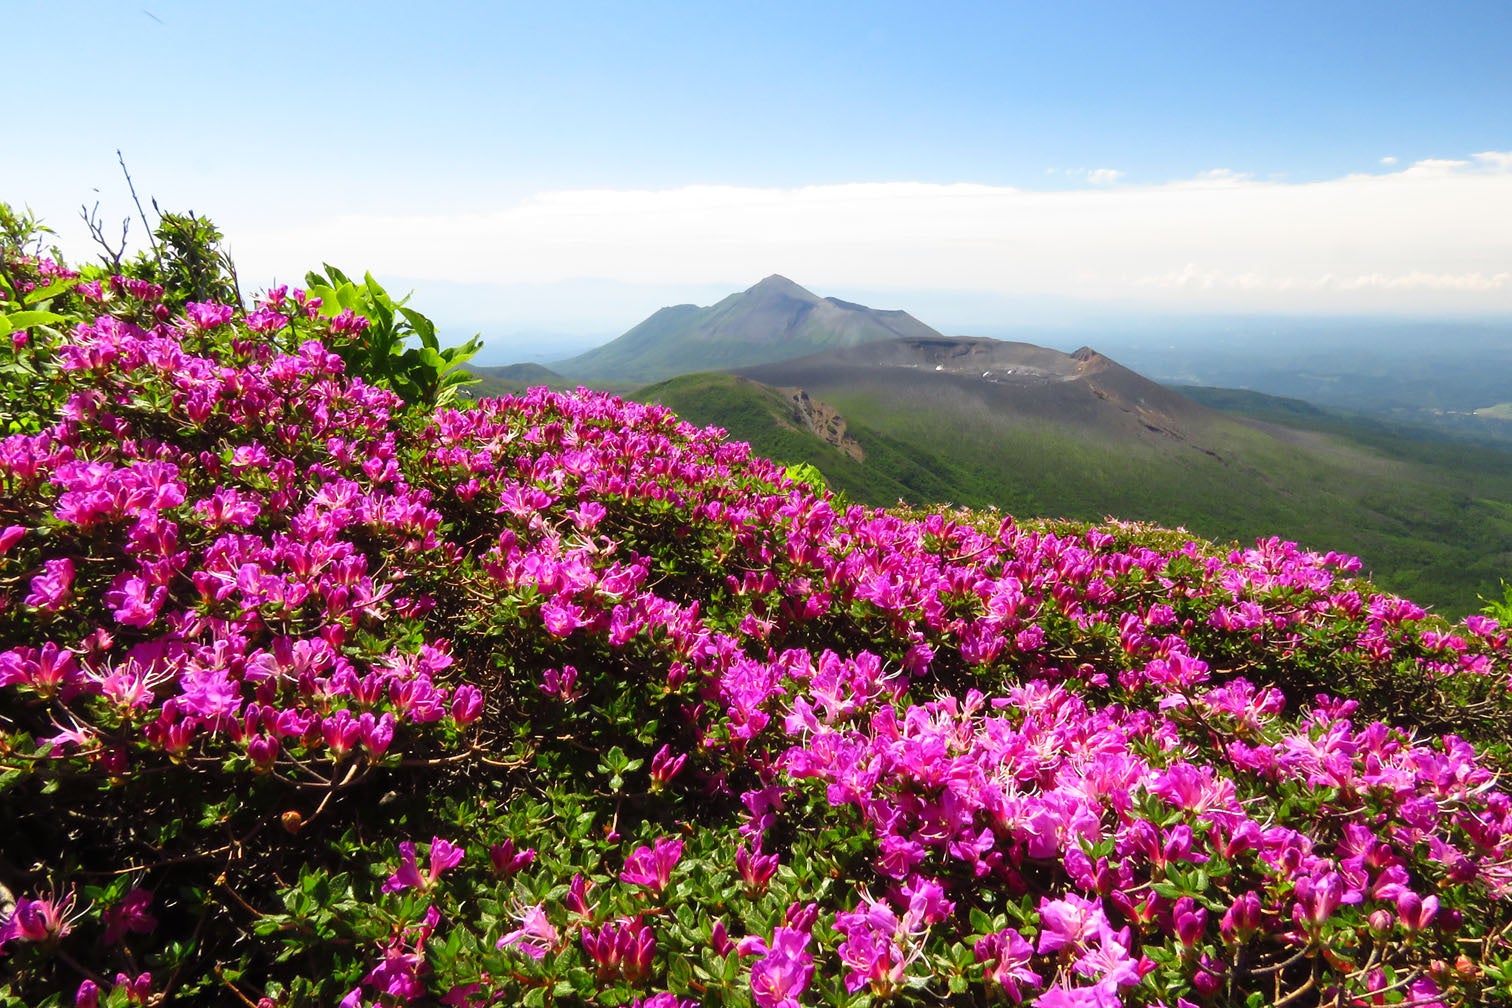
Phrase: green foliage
(1500, 609)
(398, 350)
(382, 340)
(808, 475)
(36, 307)
(188, 261)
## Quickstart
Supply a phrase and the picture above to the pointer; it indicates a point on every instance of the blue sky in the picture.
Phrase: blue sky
(568, 167)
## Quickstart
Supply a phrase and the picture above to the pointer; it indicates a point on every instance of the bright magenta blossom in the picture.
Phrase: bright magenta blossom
(45, 919)
(443, 855)
(1006, 956)
(130, 915)
(536, 936)
(50, 590)
(784, 972)
(622, 948)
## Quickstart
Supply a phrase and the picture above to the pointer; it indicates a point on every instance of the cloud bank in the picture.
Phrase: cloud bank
(1427, 237)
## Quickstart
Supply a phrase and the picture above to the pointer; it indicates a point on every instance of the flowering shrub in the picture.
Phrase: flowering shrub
(311, 697)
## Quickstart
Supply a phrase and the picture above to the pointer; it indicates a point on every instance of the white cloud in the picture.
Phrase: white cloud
(1388, 161)
(1216, 177)
(1427, 237)
(1104, 176)
(1190, 277)
(1435, 166)
(1496, 160)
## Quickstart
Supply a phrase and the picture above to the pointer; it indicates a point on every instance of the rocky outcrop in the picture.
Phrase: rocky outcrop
(823, 421)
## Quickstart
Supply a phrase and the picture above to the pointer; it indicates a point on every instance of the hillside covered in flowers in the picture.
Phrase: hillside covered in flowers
(316, 689)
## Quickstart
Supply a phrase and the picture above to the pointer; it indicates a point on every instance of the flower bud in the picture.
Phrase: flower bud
(1242, 919)
(1416, 912)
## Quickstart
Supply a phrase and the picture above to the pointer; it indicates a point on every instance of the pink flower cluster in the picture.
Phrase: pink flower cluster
(243, 569)
(195, 551)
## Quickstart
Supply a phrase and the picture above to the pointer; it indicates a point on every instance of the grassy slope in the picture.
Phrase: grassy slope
(751, 412)
(491, 381)
(1431, 521)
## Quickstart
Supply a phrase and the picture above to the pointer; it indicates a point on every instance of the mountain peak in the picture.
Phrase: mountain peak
(774, 320)
(779, 284)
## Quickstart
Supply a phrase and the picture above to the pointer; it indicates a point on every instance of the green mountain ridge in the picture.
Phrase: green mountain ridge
(510, 379)
(1101, 441)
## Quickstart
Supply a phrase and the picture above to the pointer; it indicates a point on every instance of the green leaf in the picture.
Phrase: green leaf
(51, 290)
(269, 924)
(13, 321)
(679, 973)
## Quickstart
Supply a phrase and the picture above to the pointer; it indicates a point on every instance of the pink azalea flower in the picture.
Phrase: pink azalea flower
(205, 315)
(466, 704)
(1006, 954)
(780, 976)
(506, 860)
(52, 589)
(664, 1000)
(44, 919)
(652, 866)
(622, 948)
(443, 855)
(1096, 996)
(664, 767)
(401, 971)
(134, 601)
(535, 936)
(1072, 921)
(129, 916)
(755, 868)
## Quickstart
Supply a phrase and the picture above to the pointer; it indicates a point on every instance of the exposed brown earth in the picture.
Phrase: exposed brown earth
(824, 422)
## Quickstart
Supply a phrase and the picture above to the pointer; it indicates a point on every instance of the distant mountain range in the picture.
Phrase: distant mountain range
(772, 321)
(889, 409)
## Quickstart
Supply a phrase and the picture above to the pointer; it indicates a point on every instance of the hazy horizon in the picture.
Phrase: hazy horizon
(559, 321)
(572, 168)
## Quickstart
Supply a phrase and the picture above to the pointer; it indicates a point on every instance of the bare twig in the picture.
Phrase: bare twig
(1294, 995)
(92, 221)
(220, 974)
(152, 239)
